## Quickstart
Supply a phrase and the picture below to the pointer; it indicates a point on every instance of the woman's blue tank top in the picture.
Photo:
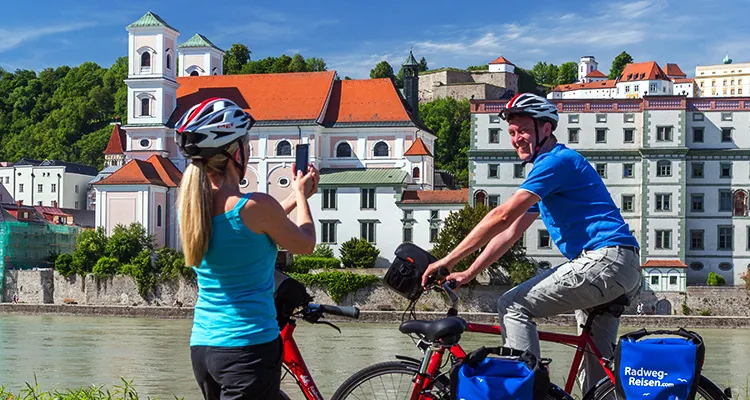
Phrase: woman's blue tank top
(235, 305)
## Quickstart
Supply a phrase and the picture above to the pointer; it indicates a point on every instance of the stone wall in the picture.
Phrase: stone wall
(725, 300)
(433, 85)
(468, 91)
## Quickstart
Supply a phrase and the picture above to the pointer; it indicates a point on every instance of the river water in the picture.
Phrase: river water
(66, 352)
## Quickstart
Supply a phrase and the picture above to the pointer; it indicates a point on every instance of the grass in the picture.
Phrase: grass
(126, 391)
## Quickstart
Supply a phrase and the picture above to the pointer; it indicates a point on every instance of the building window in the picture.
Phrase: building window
(725, 266)
(195, 73)
(628, 170)
(480, 196)
(519, 171)
(343, 150)
(53, 188)
(544, 239)
(726, 116)
(628, 118)
(573, 135)
(380, 150)
(39, 188)
(601, 169)
(663, 239)
(367, 199)
(696, 240)
(664, 134)
(145, 143)
(628, 135)
(726, 170)
(329, 199)
(283, 148)
(20, 188)
(494, 135)
(145, 107)
(494, 119)
(434, 233)
(158, 215)
(696, 202)
(652, 87)
(75, 205)
(696, 266)
(628, 201)
(740, 203)
(698, 135)
(493, 171)
(601, 135)
(169, 61)
(725, 238)
(328, 232)
(572, 118)
(75, 188)
(434, 215)
(739, 91)
(494, 201)
(726, 135)
(697, 116)
(627, 88)
(725, 200)
(654, 280)
(601, 118)
(697, 169)
(408, 234)
(663, 201)
(7, 179)
(415, 173)
(39, 203)
(663, 168)
(367, 231)
(145, 59)
(408, 215)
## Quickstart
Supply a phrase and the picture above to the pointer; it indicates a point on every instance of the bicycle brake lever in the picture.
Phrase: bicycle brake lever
(328, 323)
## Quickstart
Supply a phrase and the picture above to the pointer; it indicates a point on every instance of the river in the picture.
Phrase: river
(66, 352)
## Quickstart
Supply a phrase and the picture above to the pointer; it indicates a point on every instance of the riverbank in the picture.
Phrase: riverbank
(393, 317)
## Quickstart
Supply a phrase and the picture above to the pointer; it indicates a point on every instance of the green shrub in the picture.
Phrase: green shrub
(323, 250)
(126, 243)
(170, 264)
(303, 264)
(90, 247)
(64, 265)
(358, 253)
(143, 271)
(520, 271)
(685, 309)
(715, 279)
(705, 313)
(338, 283)
(106, 267)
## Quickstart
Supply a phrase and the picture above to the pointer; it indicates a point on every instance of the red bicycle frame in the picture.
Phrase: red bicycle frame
(431, 368)
(293, 361)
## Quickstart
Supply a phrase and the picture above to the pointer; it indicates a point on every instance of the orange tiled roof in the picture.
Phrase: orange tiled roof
(502, 60)
(418, 148)
(367, 100)
(135, 172)
(460, 196)
(608, 84)
(167, 171)
(116, 143)
(674, 71)
(684, 80)
(664, 263)
(596, 74)
(644, 71)
(267, 97)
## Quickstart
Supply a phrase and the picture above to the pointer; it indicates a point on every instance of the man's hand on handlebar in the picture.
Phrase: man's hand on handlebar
(434, 269)
(459, 279)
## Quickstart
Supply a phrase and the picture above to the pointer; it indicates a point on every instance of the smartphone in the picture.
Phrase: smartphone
(302, 158)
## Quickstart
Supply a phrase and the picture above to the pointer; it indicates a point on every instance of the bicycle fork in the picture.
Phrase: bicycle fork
(428, 369)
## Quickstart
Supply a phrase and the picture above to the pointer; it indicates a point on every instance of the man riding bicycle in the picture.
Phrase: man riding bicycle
(582, 220)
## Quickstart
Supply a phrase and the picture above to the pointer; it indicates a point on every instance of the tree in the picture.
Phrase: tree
(567, 73)
(315, 64)
(526, 82)
(235, 58)
(450, 120)
(422, 65)
(484, 67)
(382, 70)
(127, 242)
(457, 226)
(358, 253)
(618, 64)
(298, 64)
(545, 74)
(90, 248)
(281, 65)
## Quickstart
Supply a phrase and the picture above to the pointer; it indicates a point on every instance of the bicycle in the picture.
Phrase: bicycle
(427, 382)
(292, 361)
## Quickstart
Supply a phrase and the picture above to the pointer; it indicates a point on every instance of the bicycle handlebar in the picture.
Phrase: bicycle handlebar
(343, 311)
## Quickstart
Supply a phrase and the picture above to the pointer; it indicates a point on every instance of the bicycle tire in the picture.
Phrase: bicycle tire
(407, 370)
(605, 389)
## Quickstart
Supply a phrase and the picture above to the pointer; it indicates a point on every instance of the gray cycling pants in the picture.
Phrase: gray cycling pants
(594, 278)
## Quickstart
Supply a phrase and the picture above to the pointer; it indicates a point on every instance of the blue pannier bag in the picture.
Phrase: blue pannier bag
(515, 375)
(665, 368)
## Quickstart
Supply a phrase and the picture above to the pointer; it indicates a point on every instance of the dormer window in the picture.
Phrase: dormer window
(169, 61)
(343, 150)
(194, 73)
(146, 60)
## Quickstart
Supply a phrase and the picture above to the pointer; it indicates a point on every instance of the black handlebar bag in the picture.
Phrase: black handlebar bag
(404, 276)
(288, 295)
(664, 368)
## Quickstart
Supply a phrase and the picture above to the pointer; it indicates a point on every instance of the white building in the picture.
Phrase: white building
(723, 80)
(46, 183)
(677, 167)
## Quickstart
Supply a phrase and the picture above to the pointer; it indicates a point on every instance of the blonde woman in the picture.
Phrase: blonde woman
(230, 239)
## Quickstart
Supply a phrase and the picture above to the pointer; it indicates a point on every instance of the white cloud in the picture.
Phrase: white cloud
(10, 39)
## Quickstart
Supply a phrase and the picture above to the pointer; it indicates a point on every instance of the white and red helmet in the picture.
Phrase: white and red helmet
(534, 106)
(210, 127)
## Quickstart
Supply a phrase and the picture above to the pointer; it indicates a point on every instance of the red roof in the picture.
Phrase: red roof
(267, 97)
(664, 263)
(157, 170)
(645, 71)
(502, 60)
(370, 100)
(674, 71)
(460, 196)
(51, 211)
(684, 80)
(116, 143)
(596, 74)
(608, 84)
(418, 148)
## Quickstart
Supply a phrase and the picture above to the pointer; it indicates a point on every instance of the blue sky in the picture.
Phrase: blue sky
(352, 36)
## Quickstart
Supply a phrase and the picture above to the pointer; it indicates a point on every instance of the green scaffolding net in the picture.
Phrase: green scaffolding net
(25, 245)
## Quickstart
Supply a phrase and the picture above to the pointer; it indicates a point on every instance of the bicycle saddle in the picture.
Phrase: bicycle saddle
(615, 307)
(447, 328)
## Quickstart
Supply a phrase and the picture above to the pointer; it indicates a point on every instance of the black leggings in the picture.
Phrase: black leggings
(234, 373)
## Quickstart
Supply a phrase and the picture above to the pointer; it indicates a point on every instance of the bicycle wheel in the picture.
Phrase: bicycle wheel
(605, 389)
(393, 381)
